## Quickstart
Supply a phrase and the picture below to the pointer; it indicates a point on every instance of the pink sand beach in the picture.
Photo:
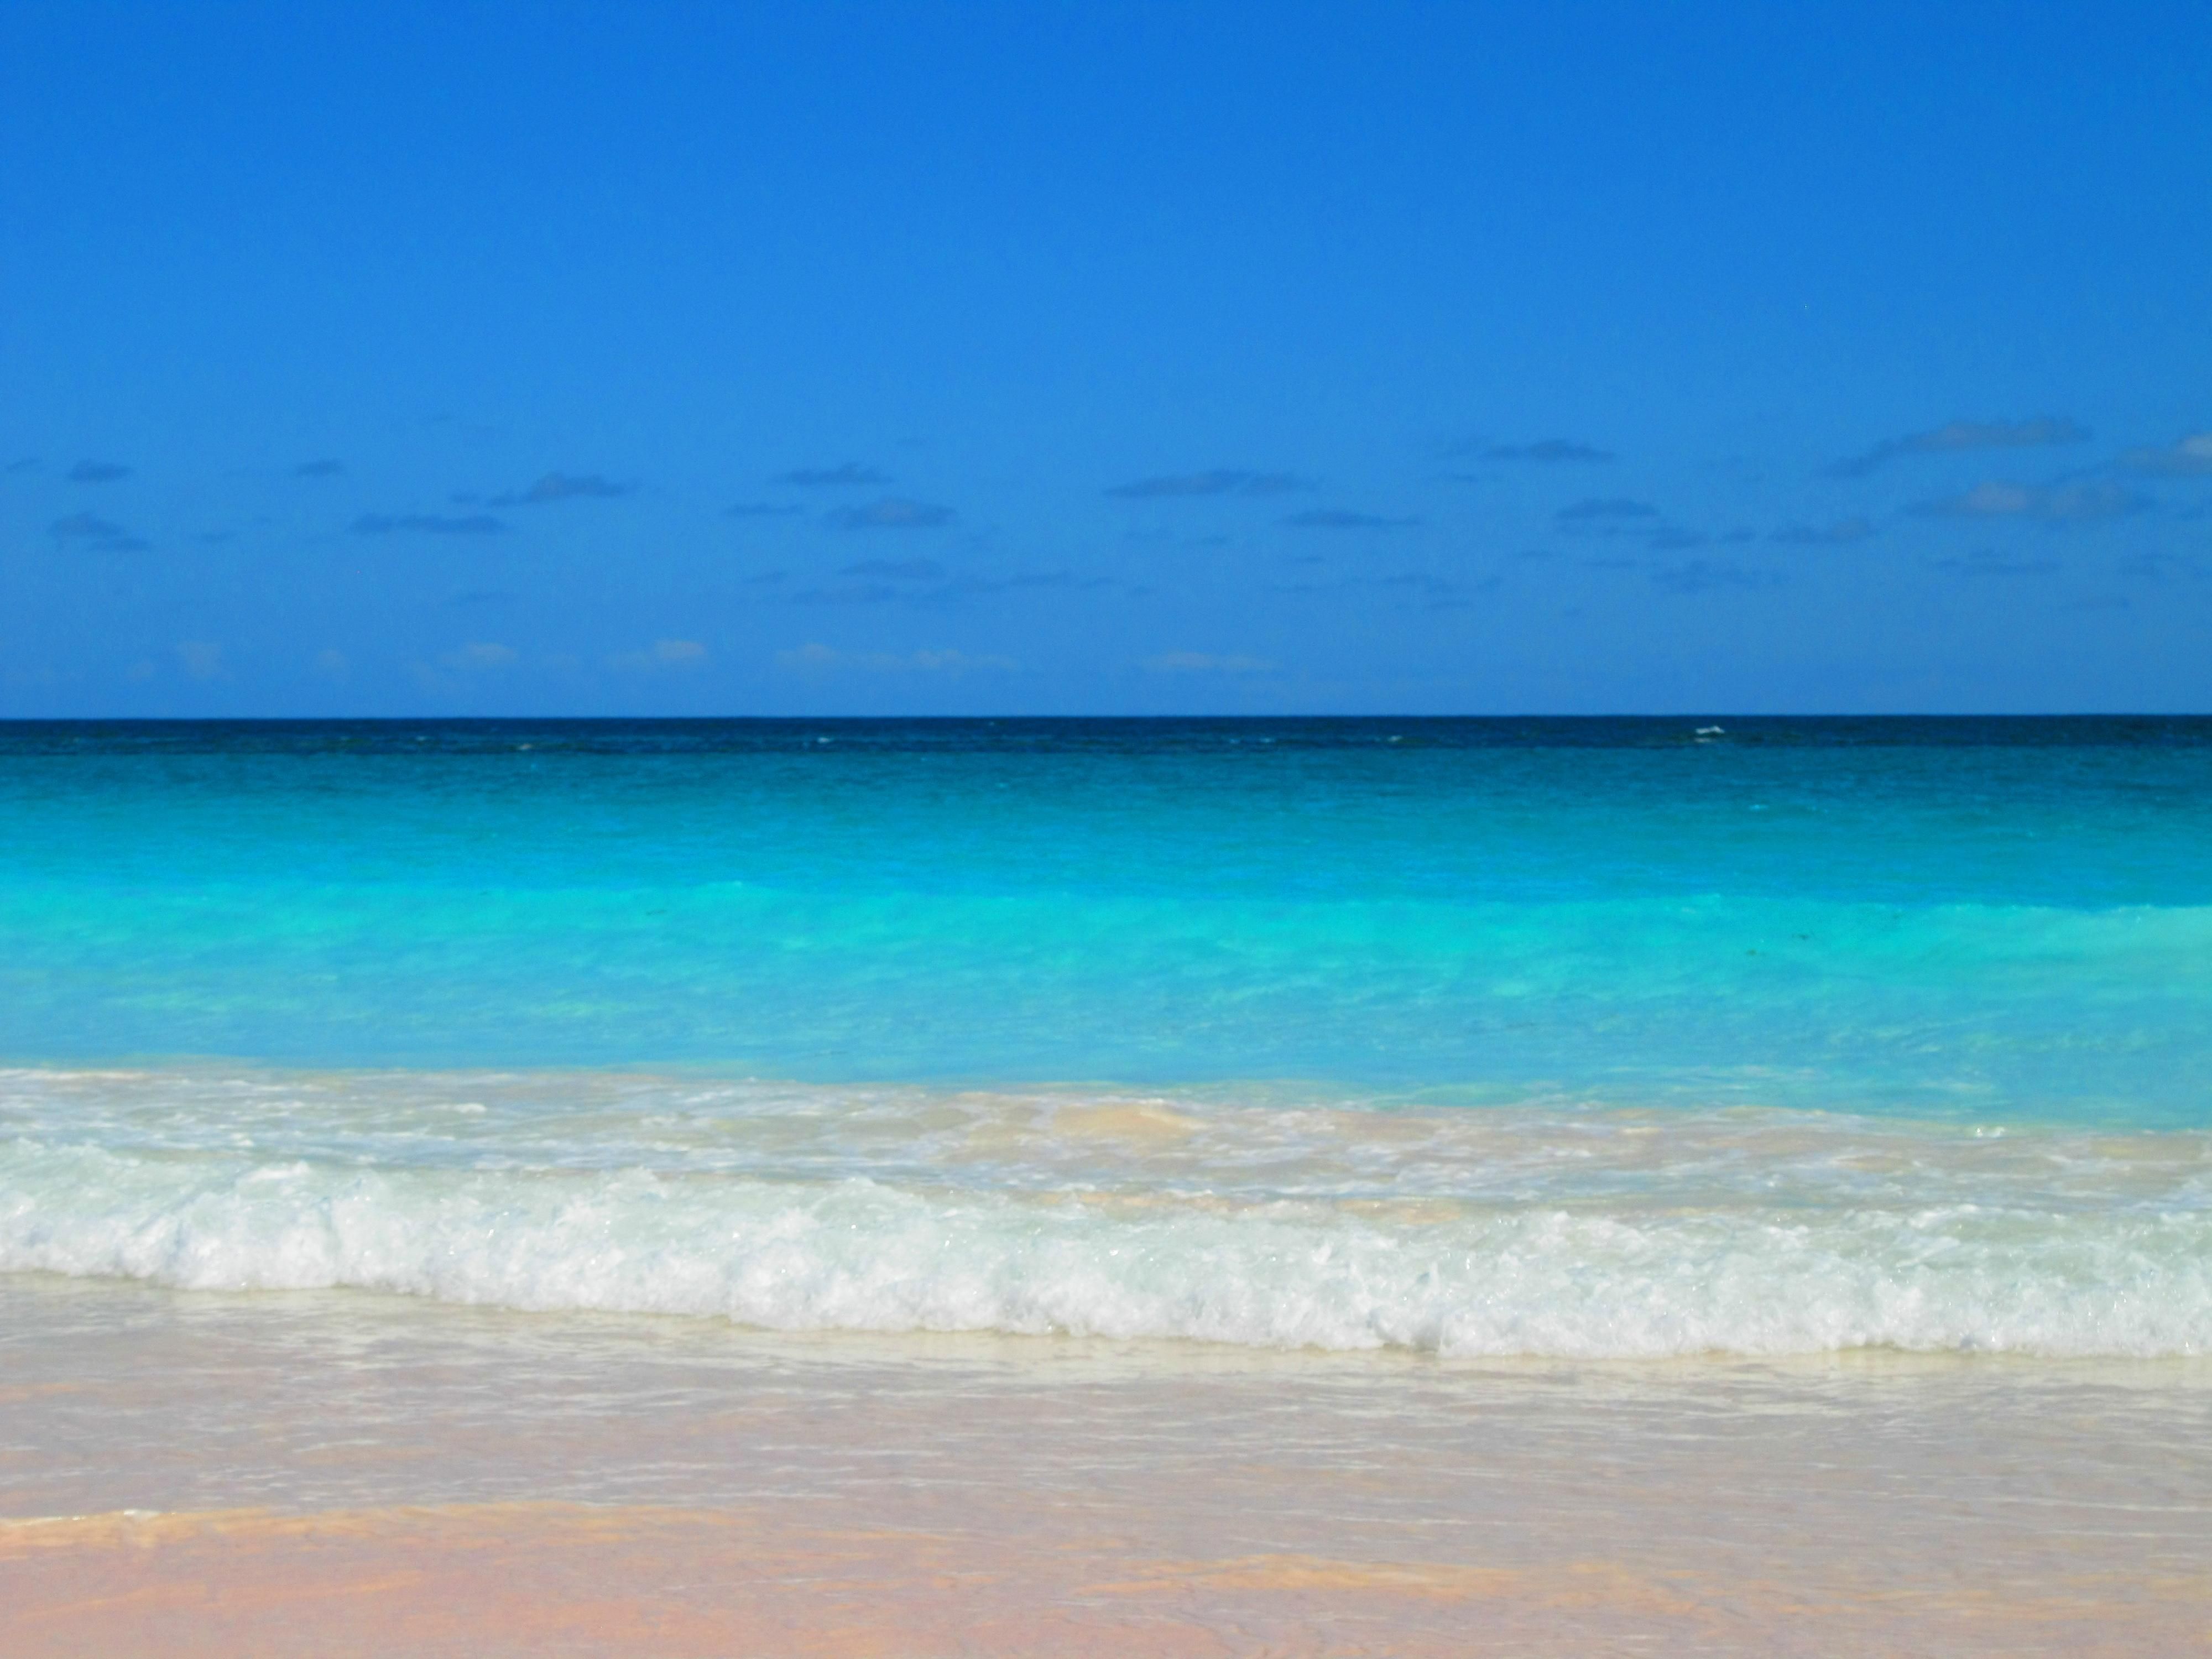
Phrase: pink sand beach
(335, 1475)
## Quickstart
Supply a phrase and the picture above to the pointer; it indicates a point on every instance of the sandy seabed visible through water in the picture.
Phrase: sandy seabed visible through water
(340, 1474)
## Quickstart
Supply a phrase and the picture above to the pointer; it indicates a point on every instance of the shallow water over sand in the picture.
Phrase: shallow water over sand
(337, 1473)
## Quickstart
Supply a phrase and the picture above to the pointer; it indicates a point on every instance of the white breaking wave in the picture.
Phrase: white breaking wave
(1624, 1276)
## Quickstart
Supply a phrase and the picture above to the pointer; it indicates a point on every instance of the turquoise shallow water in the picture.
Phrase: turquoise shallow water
(2004, 919)
(1578, 1037)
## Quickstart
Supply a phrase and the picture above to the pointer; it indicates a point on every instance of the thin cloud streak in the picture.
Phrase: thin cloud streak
(201, 660)
(1988, 561)
(2190, 458)
(565, 487)
(1548, 452)
(661, 656)
(1206, 662)
(478, 654)
(1958, 437)
(89, 532)
(1218, 481)
(815, 660)
(2083, 503)
(901, 590)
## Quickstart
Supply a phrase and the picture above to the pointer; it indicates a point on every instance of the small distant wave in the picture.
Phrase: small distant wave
(1801, 1252)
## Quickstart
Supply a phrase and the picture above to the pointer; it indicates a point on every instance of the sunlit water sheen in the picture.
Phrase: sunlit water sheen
(1589, 1038)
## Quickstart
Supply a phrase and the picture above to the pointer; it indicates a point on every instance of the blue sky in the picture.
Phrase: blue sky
(566, 359)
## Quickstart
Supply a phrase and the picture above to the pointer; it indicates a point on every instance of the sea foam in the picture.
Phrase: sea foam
(1545, 1230)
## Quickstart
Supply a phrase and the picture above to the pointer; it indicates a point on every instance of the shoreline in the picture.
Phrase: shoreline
(336, 1473)
(1564, 1228)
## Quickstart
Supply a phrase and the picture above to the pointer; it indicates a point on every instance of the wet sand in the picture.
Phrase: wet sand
(335, 1475)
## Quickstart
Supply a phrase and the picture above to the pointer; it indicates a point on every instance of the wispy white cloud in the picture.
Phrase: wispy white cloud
(481, 654)
(2190, 458)
(661, 656)
(88, 532)
(815, 658)
(1205, 662)
(2077, 503)
(201, 660)
(464, 666)
(1956, 437)
(565, 487)
(1217, 481)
